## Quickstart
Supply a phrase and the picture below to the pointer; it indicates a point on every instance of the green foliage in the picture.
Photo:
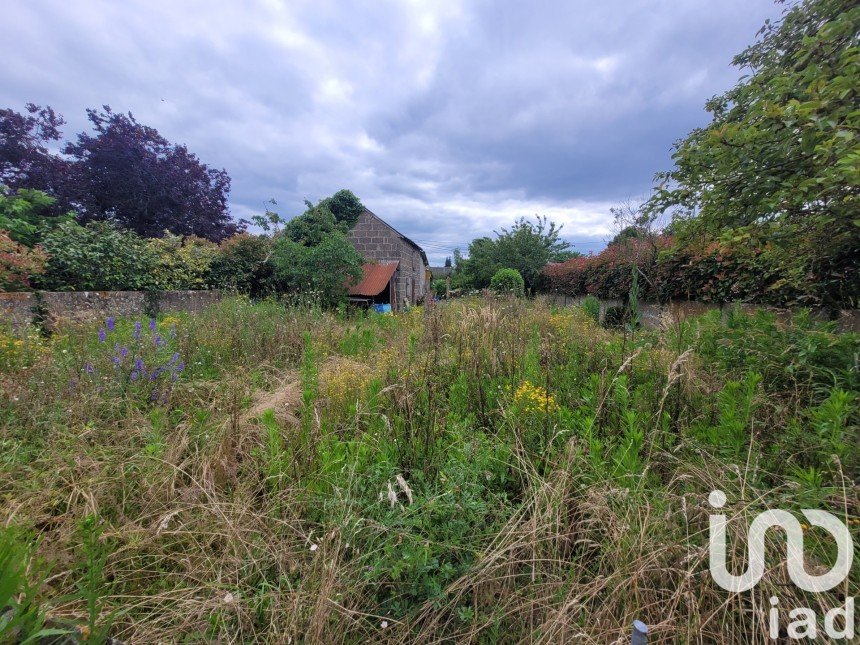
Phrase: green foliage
(508, 281)
(440, 287)
(22, 618)
(526, 246)
(799, 354)
(322, 270)
(96, 257)
(337, 213)
(345, 207)
(591, 306)
(780, 160)
(470, 468)
(242, 264)
(26, 214)
(181, 263)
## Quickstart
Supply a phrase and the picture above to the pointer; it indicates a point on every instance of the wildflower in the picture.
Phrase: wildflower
(134, 375)
(116, 361)
(174, 358)
(123, 351)
(180, 367)
(138, 364)
(110, 323)
(383, 624)
(532, 398)
(314, 547)
(137, 327)
(89, 369)
(102, 335)
(159, 341)
(152, 324)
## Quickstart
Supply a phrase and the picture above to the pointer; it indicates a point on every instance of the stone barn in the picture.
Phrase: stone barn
(396, 268)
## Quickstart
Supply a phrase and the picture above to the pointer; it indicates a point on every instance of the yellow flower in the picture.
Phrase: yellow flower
(533, 398)
(170, 321)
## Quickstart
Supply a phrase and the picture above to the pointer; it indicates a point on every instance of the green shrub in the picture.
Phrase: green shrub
(96, 257)
(242, 265)
(591, 306)
(181, 263)
(508, 281)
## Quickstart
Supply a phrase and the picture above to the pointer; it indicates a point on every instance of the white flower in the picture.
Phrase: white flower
(384, 624)
(228, 599)
(314, 547)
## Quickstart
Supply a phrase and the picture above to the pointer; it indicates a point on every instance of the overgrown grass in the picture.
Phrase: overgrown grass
(486, 470)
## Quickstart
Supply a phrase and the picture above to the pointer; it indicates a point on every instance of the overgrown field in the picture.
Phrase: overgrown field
(487, 470)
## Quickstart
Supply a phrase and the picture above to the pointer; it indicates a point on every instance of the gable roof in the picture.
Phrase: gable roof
(374, 279)
(401, 235)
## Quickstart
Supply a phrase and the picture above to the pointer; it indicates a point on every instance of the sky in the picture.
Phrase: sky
(449, 119)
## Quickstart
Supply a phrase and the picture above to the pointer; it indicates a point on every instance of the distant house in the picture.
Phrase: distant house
(396, 271)
(441, 273)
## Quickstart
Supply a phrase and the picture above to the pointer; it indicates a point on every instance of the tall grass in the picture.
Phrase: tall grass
(485, 470)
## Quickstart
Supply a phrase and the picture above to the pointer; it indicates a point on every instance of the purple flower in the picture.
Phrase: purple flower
(138, 364)
(180, 367)
(174, 358)
(102, 335)
(89, 369)
(123, 351)
(152, 324)
(159, 341)
(134, 375)
(173, 377)
(116, 361)
(110, 323)
(137, 327)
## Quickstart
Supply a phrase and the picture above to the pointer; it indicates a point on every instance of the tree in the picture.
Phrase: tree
(345, 207)
(96, 257)
(780, 160)
(526, 246)
(129, 174)
(508, 281)
(339, 212)
(448, 262)
(27, 214)
(323, 270)
(26, 160)
(243, 264)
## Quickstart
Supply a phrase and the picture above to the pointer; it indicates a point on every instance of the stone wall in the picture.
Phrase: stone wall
(57, 307)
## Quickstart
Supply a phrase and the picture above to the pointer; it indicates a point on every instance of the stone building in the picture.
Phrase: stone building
(396, 271)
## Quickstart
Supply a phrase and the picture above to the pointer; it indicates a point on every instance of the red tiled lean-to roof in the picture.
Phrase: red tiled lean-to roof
(375, 277)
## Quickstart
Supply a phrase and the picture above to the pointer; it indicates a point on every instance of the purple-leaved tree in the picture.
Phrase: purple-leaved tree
(128, 173)
(26, 159)
(123, 171)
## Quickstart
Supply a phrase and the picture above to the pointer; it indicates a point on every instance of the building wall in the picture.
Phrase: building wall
(376, 240)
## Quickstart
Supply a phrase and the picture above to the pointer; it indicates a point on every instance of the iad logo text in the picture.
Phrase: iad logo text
(805, 624)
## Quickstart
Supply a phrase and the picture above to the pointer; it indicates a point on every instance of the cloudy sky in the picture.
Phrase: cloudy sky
(447, 118)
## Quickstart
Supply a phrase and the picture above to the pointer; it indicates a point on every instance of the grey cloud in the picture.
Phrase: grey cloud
(447, 118)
